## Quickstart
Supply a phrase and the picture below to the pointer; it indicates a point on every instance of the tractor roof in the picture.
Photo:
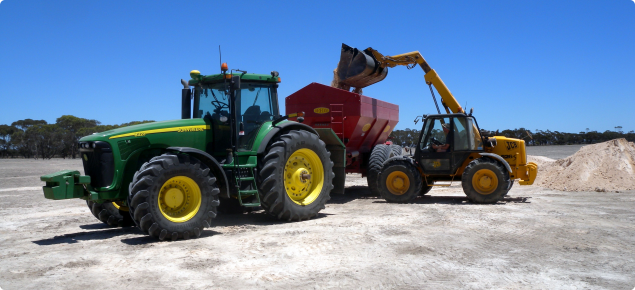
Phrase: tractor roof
(243, 76)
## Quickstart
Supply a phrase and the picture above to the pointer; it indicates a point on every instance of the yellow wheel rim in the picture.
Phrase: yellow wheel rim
(397, 182)
(485, 181)
(119, 205)
(179, 199)
(303, 176)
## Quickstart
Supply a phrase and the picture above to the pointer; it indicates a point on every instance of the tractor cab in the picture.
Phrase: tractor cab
(446, 141)
(254, 102)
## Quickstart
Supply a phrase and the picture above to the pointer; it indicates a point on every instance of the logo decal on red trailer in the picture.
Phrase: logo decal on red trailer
(321, 110)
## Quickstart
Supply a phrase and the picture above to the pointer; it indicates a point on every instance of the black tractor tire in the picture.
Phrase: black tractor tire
(400, 182)
(111, 213)
(276, 167)
(396, 150)
(485, 180)
(380, 153)
(154, 183)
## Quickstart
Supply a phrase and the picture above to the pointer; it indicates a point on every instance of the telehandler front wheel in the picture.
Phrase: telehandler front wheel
(173, 197)
(485, 180)
(115, 214)
(295, 176)
(399, 181)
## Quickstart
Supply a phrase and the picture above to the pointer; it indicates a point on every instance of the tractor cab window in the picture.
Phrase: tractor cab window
(255, 106)
(213, 102)
(436, 137)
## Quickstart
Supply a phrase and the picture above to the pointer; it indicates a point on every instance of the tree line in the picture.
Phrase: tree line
(409, 137)
(30, 138)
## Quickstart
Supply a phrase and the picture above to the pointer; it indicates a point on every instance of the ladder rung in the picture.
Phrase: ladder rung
(251, 204)
(245, 178)
(248, 192)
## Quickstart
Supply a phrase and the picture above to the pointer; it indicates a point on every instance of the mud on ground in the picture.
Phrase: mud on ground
(550, 240)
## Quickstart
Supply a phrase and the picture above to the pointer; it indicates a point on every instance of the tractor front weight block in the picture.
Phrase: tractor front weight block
(65, 184)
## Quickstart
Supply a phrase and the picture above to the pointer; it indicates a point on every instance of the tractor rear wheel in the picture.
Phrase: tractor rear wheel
(295, 176)
(115, 214)
(485, 180)
(380, 153)
(173, 197)
(399, 181)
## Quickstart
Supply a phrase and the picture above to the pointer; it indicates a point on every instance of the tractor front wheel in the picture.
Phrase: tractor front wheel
(295, 176)
(485, 180)
(399, 182)
(173, 197)
(115, 213)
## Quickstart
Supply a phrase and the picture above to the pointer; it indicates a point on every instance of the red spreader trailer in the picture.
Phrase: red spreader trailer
(359, 122)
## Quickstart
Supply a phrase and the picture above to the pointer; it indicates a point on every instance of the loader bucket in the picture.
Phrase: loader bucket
(358, 68)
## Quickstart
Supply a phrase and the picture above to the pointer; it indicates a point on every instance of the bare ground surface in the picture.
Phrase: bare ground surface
(553, 240)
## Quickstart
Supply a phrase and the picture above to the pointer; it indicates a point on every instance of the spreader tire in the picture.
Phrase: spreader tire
(399, 182)
(295, 176)
(485, 181)
(396, 150)
(173, 197)
(380, 153)
(114, 214)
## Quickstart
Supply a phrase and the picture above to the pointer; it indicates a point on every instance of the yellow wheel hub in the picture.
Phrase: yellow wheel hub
(179, 199)
(485, 181)
(119, 205)
(397, 182)
(303, 176)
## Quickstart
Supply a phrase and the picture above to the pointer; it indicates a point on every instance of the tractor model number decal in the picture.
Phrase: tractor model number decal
(511, 145)
(199, 128)
(190, 129)
(321, 110)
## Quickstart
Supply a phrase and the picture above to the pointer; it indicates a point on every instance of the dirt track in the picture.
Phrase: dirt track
(554, 240)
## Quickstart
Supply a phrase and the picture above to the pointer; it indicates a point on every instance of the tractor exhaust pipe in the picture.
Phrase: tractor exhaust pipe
(186, 101)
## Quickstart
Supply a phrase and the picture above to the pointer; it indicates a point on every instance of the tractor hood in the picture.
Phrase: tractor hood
(181, 125)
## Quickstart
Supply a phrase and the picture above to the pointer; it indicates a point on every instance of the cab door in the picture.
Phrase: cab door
(433, 158)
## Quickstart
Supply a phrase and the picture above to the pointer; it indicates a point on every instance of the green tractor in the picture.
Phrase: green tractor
(232, 150)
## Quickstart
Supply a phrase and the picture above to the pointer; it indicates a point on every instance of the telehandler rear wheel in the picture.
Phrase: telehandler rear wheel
(295, 176)
(173, 197)
(399, 181)
(485, 180)
(115, 214)
(380, 153)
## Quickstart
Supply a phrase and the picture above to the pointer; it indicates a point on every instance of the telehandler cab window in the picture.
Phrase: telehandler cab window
(435, 137)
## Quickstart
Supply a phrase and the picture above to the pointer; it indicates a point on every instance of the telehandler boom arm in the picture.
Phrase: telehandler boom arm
(413, 58)
(360, 69)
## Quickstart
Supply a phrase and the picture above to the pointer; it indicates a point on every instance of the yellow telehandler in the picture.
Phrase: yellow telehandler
(451, 146)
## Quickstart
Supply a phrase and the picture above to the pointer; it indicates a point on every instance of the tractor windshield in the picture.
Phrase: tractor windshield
(255, 106)
(212, 101)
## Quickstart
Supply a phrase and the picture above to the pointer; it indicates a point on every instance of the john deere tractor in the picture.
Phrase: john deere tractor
(231, 150)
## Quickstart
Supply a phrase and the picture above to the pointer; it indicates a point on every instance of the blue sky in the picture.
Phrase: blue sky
(558, 65)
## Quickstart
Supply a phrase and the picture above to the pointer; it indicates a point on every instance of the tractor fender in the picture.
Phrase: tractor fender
(279, 127)
(213, 165)
(500, 159)
(403, 158)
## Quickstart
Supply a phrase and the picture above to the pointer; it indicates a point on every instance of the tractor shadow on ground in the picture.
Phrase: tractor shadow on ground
(96, 232)
(254, 218)
(362, 192)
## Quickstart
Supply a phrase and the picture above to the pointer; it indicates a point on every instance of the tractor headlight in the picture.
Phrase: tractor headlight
(223, 119)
